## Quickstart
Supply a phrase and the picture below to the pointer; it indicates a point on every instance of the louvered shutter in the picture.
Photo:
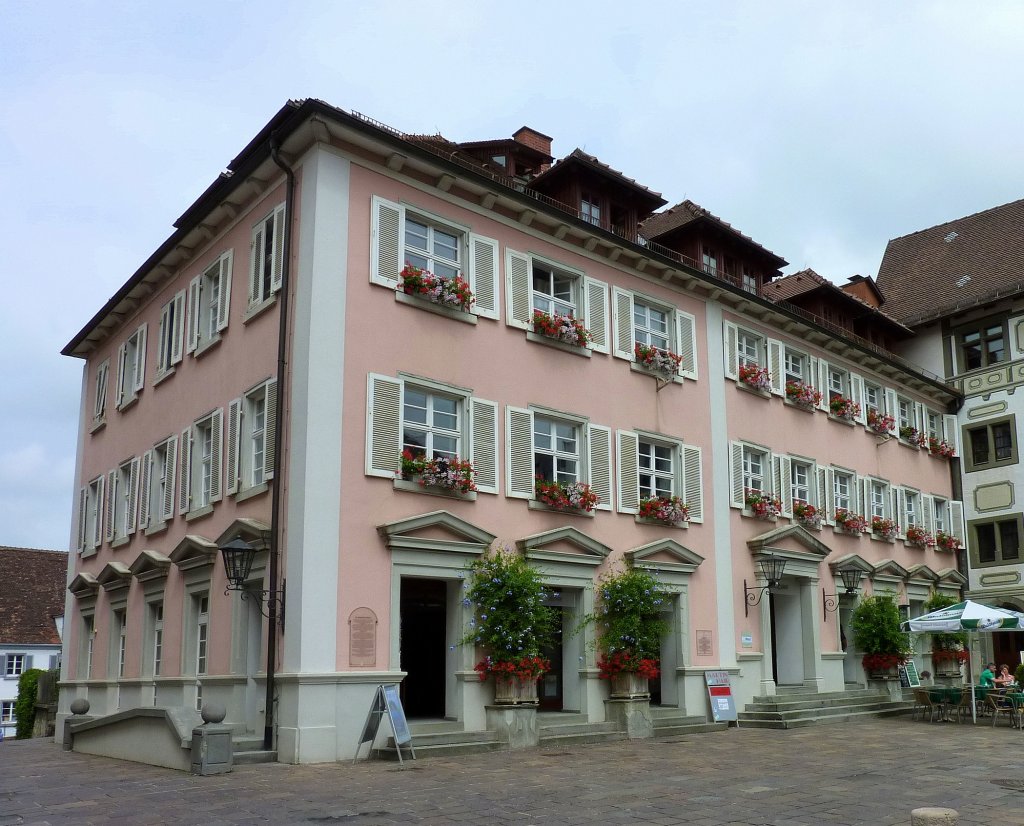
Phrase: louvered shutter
(951, 432)
(99, 521)
(693, 484)
(185, 483)
(737, 497)
(383, 426)
(170, 474)
(519, 453)
(826, 494)
(892, 406)
(782, 467)
(920, 418)
(232, 446)
(484, 444)
(145, 485)
(483, 275)
(277, 273)
(956, 522)
(863, 507)
(386, 220)
(732, 356)
(599, 464)
(132, 496)
(140, 359)
(100, 402)
(686, 332)
(595, 314)
(822, 384)
(928, 513)
(110, 505)
(899, 499)
(83, 517)
(122, 377)
(622, 324)
(517, 290)
(257, 261)
(195, 291)
(627, 444)
(857, 394)
(216, 454)
(778, 374)
(270, 431)
(224, 292)
(178, 333)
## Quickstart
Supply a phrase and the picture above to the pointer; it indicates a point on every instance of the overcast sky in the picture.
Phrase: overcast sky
(821, 129)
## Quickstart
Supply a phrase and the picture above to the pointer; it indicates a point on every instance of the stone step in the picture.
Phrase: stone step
(821, 720)
(794, 696)
(801, 710)
(450, 749)
(550, 740)
(433, 726)
(443, 737)
(576, 728)
(677, 719)
(781, 704)
(250, 758)
(559, 718)
(678, 730)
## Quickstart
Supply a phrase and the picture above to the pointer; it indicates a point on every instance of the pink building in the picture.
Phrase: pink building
(196, 429)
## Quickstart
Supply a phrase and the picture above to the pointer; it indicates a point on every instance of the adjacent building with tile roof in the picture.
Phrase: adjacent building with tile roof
(32, 591)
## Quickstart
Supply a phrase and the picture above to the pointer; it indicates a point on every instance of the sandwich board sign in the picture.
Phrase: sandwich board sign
(386, 702)
(723, 704)
(909, 678)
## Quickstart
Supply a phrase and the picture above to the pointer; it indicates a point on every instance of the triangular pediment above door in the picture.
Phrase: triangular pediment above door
(791, 542)
(851, 561)
(951, 577)
(890, 568)
(435, 531)
(564, 545)
(921, 575)
(665, 555)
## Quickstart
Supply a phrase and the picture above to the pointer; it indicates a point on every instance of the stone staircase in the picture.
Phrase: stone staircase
(794, 707)
(668, 722)
(247, 749)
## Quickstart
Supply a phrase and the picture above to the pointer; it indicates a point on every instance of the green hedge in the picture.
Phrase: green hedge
(25, 705)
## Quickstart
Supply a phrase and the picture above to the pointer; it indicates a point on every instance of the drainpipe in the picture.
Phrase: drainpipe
(279, 422)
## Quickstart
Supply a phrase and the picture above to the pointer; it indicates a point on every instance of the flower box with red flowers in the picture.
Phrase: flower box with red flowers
(448, 473)
(762, 505)
(565, 496)
(757, 378)
(884, 528)
(957, 655)
(806, 515)
(852, 523)
(880, 423)
(940, 447)
(669, 510)
(453, 292)
(844, 408)
(918, 537)
(913, 436)
(524, 668)
(562, 328)
(663, 362)
(882, 662)
(946, 542)
(802, 394)
(627, 662)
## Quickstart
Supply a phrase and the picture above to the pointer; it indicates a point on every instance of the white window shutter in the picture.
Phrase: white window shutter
(216, 454)
(386, 221)
(628, 466)
(170, 474)
(164, 359)
(101, 502)
(863, 505)
(599, 464)
(595, 313)
(256, 263)
(270, 431)
(826, 494)
(686, 333)
(185, 483)
(145, 486)
(483, 274)
(732, 355)
(122, 377)
(693, 485)
(737, 498)
(195, 289)
(622, 324)
(140, 359)
(519, 481)
(822, 383)
(928, 513)
(231, 448)
(178, 333)
(782, 466)
(484, 444)
(517, 290)
(899, 516)
(277, 273)
(83, 516)
(778, 374)
(224, 292)
(132, 496)
(956, 522)
(892, 405)
(110, 505)
(951, 432)
(100, 399)
(920, 418)
(383, 426)
(857, 393)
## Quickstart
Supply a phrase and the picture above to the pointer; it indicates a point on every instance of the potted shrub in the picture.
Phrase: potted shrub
(630, 627)
(563, 328)
(876, 631)
(949, 651)
(510, 623)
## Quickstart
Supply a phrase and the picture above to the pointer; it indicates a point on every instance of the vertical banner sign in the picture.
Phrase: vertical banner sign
(723, 704)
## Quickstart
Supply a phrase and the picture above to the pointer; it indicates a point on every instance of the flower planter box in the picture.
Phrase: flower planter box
(629, 686)
(515, 692)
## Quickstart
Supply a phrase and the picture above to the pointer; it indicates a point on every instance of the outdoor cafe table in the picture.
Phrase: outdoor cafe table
(947, 696)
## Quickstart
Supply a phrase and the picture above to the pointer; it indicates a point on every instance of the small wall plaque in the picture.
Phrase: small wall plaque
(705, 646)
(362, 638)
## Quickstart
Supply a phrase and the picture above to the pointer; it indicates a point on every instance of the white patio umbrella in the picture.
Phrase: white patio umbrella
(966, 616)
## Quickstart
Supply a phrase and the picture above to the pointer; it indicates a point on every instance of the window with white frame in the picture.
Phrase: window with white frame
(801, 478)
(86, 646)
(750, 348)
(201, 603)
(124, 495)
(795, 365)
(657, 469)
(120, 646)
(99, 409)
(912, 513)
(267, 259)
(934, 424)
(590, 209)
(201, 463)
(15, 665)
(554, 291)
(431, 425)
(905, 412)
(209, 302)
(748, 280)
(940, 515)
(755, 469)
(873, 398)
(432, 246)
(654, 466)
(252, 421)
(878, 498)
(709, 259)
(556, 449)
(7, 712)
(156, 613)
(651, 325)
(131, 367)
(843, 490)
(838, 383)
(156, 498)
(171, 334)
(641, 320)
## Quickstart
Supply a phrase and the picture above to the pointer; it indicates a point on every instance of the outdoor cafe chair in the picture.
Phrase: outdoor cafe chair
(923, 701)
(997, 706)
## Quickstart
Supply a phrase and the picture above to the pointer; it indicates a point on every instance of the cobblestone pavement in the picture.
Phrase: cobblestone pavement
(871, 772)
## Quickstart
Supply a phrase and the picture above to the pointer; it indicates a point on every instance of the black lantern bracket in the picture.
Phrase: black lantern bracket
(851, 580)
(239, 556)
(772, 568)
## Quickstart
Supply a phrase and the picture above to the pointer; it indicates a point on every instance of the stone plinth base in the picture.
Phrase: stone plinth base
(515, 725)
(934, 816)
(889, 685)
(212, 750)
(631, 716)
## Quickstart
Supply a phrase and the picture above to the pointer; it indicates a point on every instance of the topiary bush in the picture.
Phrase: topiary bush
(876, 631)
(25, 705)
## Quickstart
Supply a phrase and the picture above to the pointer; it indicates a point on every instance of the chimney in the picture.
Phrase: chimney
(534, 139)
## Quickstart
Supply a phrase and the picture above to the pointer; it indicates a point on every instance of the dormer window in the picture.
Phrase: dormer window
(710, 261)
(748, 280)
(590, 209)
(499, 160)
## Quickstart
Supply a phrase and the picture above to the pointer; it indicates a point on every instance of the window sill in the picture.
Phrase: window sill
(85, 553)
(98, 425)
(159, 527)
(208, 344)
(905, 443)
(123, 406)
(643, 371)
(406, 486)
(120, 541)
(841, 420)
(746, 388)
(198, 513)
(436, 309)
(160, 377)
(843, 532)
(806, 408)
(914, 546)
(876, 538)
(251, 492)
(536, 338)
(747, 513)
(534, 505)
(657, 523)
(255, 310)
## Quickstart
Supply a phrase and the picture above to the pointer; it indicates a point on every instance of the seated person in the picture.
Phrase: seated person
(1004, 679)
(988, 676)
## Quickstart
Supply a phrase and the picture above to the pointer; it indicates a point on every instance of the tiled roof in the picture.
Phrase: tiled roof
(799, 283)
(687, 212)
(31, 595)
(937, 271)
(581, 157)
